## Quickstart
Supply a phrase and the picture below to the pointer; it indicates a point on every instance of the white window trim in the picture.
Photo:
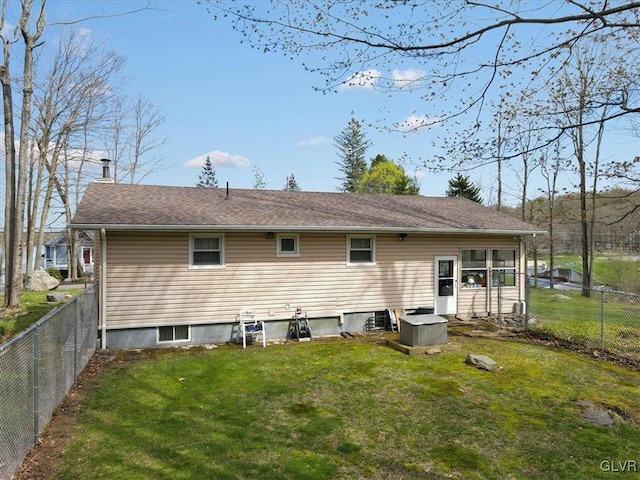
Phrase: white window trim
(507, 269)
(206, 235)
(182, 340)
(462, 283)
(373, 250)
(296, 237)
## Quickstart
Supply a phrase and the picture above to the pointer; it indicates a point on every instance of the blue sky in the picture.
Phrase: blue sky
(245, 108)
(242, 107)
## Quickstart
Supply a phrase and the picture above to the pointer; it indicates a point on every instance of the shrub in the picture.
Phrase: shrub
(55, 274)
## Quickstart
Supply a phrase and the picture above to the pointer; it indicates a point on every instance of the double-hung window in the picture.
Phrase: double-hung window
(288, 245)
(503, 263)
(361, 249)
(206, 250)
(474, 268)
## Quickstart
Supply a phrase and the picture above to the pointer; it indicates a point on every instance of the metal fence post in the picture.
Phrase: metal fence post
(527, 302)
(500, 274)
(601, 320)
(75, 338)
(36, 357)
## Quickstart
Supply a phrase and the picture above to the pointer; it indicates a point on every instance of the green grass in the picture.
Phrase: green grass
(579, 319)
(345, 409)
(33, 307)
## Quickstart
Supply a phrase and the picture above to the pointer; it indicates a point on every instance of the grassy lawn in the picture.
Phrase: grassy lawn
(348, 409)
(33, 307)
(578, 319)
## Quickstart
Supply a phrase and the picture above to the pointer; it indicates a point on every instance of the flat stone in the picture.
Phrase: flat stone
(600, 418)
(55, 297)
(482, 362)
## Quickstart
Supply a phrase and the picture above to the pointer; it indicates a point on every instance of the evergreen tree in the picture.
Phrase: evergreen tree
(352, 145)
(291, 184)
(461, 186)
(207, 177)
(259, 182)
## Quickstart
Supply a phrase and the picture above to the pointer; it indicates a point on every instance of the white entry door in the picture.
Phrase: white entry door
(446, 283)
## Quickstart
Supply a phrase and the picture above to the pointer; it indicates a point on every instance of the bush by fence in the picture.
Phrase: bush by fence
(37, 369)
(606, 321)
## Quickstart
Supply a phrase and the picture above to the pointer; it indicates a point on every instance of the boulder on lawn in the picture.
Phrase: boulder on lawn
(56, 297)
(482, 362)
(41, 281)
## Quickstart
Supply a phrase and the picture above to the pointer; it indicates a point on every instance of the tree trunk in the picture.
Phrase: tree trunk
(12, 291)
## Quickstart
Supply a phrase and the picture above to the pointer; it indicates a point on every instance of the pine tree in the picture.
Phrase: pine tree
(352, 145)
(291, 184)
(461, 186)
(259, 182)
(207, 177)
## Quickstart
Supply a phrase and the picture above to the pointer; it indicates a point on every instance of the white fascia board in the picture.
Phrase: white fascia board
(297, 228)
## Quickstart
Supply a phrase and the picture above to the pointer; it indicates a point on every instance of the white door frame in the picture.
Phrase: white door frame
(445, 293)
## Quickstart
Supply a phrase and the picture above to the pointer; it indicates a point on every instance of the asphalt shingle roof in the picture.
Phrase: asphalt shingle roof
(125, 206)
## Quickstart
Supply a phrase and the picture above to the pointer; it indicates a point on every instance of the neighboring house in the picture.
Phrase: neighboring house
(178, 264)
(56, 253)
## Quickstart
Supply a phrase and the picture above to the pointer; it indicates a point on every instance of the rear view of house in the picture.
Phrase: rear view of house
(178, 264)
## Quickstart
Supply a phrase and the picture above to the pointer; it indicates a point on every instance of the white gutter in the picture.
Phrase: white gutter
(103, 286)
(298, 228)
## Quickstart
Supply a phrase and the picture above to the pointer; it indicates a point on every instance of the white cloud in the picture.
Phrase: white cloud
(312, 142)
(405, 79)
(415, 123)
(218, 159)
(365, 80)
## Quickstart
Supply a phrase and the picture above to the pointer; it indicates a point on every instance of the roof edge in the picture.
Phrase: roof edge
(296, 228)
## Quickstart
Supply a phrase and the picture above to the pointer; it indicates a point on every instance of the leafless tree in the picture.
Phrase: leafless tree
(16, 168)
(582, 97)
(460, 47)
(133, 139)
(72, 99)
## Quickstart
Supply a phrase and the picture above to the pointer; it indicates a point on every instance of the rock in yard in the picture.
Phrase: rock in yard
(41, 281)
(558, 297)
(55, 297)
(482, 362)
(600, 418)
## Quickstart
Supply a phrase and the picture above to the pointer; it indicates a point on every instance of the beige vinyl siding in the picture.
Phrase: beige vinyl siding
(149, 282)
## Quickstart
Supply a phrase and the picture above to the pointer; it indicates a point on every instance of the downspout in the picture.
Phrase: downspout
(523, 277)
(103, 286)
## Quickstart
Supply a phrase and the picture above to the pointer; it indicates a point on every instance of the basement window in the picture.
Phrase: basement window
(174, 333)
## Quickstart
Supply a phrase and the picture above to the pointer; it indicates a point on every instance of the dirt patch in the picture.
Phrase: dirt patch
(44, 459)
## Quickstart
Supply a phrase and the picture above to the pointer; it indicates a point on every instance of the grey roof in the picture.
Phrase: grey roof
(148, 207)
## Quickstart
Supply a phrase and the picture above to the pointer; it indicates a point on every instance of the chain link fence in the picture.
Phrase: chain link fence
(37, 369)
(606, 321)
